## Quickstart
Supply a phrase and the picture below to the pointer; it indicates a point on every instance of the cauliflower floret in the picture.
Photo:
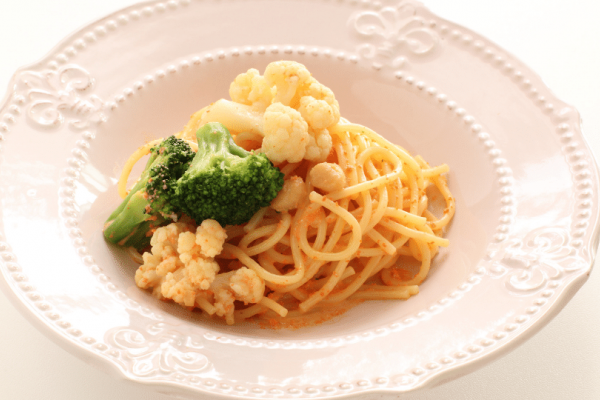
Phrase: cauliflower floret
(185, 246)
(286, 134)
(287, 77)
(207, 242)
(235, 116)
(247, 286)
(201, 272)
(179, 288)
(318, 91)
(196, 252)
(328, 177)
(261, 94)
(252, 89)
(224, 297)
(289, 197)
(146, 276)
(241, 86)
(319, 145)
(165, 238)
(242, 284)
(163, 258)
(317, 113)
(210, 236)
(181, 266)
(224, 304)
(287, 107)
(168, 264)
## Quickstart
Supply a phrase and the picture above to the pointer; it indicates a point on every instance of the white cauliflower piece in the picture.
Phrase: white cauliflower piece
(163, 257)
(328, 177)
(319, 145)
(185, 247)
(287, 107)
(146, 276)
(169, 263)
(181, 266)
(210, 236)
(202, 272)
(196, 252)
(287, 77)
(250, 88)
(242, 284)
(179, 288)
(247, 286)
(241, 86)
(286, 134)
(235, 116)
(317, 91)
(290, 196)
(164, 239)
(207, 242)
(224, 305)
(224, 297)
(317, 113)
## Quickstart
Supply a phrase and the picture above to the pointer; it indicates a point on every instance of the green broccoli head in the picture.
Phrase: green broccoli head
(151, 202)
(175, 156)
(225, 182)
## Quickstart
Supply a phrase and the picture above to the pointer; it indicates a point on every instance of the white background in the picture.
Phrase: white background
(557, 39)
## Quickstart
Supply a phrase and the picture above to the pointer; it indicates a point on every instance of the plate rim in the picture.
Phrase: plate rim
(561, 301)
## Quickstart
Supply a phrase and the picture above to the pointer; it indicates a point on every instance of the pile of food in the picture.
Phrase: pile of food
(271, 206)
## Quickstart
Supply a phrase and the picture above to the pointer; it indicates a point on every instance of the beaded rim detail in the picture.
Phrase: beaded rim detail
(577, 159)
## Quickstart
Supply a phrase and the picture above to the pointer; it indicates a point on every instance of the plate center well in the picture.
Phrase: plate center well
(402, 113)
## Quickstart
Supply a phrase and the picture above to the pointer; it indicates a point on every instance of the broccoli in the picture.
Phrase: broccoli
(225, 182)
(151, 202)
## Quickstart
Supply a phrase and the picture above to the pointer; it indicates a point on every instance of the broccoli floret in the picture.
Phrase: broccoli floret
(225, 182)
(151, 202)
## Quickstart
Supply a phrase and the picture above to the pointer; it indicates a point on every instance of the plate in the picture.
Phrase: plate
(516, 256)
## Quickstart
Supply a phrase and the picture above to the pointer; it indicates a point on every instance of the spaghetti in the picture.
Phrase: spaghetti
(347, 245)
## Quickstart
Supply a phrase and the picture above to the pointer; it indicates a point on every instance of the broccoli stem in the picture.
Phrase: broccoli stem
(150, 202)
(216, 149)
(130, 214)
(139, 185)
(215, 143)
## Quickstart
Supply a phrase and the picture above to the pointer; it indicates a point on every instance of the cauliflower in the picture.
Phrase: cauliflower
(181, 268)
(247, 286)
(328, 177)
(181, 265)
(319, 114)
(164, 240)
(241, 86)
(201, 272)
(250, 88)
(163, 258)
(224, 305)
(196, 252)
(286, 134)
(178, 287)
(243, 285)
(210, 236)
(287, 107)
(207, 242)
(317, 91)
(146, 276)
(235, 116)
(319, 145)
(287, 77)
(290, 195)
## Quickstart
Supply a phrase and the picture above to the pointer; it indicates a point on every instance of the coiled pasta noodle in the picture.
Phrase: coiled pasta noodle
(351, 244)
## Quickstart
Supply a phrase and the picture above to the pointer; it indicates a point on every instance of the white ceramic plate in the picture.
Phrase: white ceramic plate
(526, 185)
